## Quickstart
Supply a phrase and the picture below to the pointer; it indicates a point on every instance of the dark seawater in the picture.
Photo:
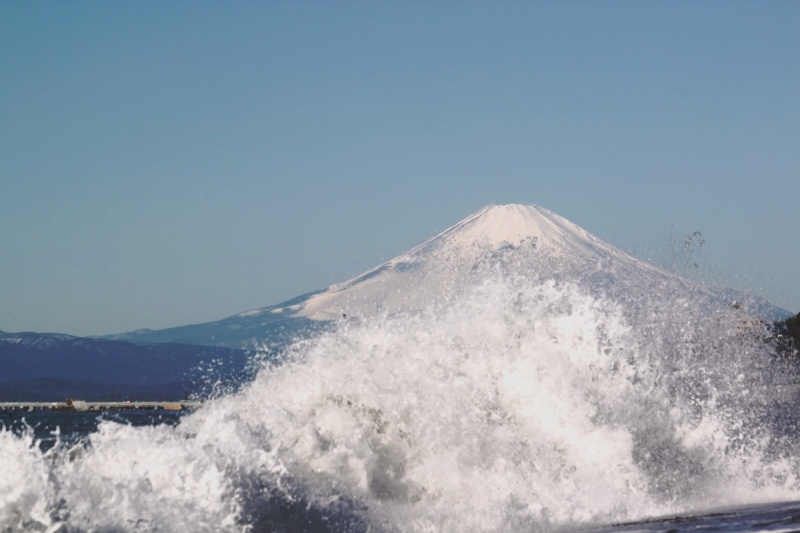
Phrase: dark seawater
(783, 517)
(51, 427)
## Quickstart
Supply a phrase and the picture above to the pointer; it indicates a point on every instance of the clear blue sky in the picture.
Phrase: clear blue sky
(167, 163)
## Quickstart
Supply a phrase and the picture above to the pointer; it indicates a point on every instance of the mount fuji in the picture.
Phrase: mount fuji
(510, 239)
(512, 373)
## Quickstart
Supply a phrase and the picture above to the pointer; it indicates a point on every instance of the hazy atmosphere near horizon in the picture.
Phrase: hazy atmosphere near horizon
(163, 164)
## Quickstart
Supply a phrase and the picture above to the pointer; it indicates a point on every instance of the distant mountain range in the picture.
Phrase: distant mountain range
(531, 239)
(87, 368)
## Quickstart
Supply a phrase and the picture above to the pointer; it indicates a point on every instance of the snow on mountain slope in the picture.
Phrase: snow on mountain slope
(506, 240)
(541, 241)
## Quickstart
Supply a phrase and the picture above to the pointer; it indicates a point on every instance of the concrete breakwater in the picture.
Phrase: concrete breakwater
(82, 406)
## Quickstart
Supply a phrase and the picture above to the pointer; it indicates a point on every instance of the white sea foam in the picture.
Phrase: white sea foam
(485, 381)
(521, 404)
(26, 491)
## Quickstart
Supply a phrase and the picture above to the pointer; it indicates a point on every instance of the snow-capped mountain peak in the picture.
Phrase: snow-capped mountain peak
(445, 261)
(513, 225)
(525, 240)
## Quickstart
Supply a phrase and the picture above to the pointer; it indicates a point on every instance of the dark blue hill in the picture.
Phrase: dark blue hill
(101, 365)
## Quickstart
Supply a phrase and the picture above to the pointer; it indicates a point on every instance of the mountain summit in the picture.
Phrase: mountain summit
(520, 239)
(540, 241)
(514, 225)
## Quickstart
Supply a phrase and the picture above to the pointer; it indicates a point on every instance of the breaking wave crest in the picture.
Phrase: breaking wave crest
(521, 404)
